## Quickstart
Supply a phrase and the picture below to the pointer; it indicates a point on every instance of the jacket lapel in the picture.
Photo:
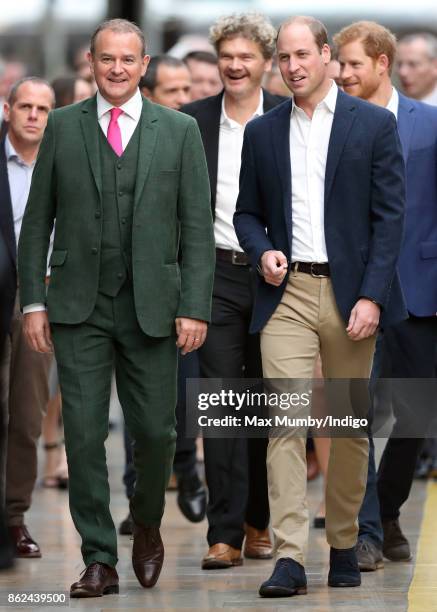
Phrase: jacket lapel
(6, 215)
(344, 117)
(90, 130)
(148, 135)
(208, 120)
(406, 121)
(280, 128)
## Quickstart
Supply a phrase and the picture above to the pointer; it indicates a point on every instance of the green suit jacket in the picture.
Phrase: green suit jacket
(172, 234)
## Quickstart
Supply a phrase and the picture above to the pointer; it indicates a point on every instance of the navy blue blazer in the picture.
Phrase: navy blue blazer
(364, 205)
(417, 126)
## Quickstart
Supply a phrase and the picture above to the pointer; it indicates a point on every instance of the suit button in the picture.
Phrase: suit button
(119, 166)
(94, 250)
(97, 214)
(123, 220)
(120, 193)
(119, 275)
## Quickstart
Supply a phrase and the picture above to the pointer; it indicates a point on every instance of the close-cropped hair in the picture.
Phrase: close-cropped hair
(201, 56)
(120, 26)
(375, 38)
(429, 39)
(150, 79)
(317, 28)
(252, 26)
(13, 92)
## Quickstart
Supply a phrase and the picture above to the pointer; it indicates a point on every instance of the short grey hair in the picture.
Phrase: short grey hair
(121, 26)
(429, 39)
(252, 26)
(13, 92)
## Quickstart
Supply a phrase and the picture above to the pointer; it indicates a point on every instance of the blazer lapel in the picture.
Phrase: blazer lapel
(6, 214)
(280, 126)
(208, 121)
(148, 134)
(344, 117)
(406, 121)
(90, 130)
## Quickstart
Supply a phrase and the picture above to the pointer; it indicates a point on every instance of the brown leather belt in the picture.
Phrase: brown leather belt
(318, 270)
(237, 258)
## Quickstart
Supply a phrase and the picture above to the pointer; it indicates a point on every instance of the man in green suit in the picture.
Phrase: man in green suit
(131, 280)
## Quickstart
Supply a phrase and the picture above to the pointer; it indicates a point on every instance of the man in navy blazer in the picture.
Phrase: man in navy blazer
(366, 53)
(320, 212)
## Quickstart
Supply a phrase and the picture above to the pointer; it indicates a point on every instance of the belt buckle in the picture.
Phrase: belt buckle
(235, 261)
(316, 275)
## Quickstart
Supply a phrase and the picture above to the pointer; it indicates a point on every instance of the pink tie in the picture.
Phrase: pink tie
(114, 133)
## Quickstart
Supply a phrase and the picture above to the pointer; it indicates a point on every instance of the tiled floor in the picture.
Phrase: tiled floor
(183, 585)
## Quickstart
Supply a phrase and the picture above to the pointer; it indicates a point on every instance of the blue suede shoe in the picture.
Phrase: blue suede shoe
(343, 568)
(288, 579)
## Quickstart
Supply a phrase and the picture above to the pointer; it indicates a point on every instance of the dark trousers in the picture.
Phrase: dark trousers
(145, 369)
(235, 468)
(24, 398)
(184, 463)
(407, 351)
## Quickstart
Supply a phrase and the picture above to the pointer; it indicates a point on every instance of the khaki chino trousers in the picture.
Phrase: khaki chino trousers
(307, 322)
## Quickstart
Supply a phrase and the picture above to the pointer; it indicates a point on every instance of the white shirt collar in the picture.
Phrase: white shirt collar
(11, 153)
(225, 120)
(393, 103)
(132, 107)
(329, 101)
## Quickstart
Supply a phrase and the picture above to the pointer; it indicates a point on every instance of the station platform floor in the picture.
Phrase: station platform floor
(183, 585)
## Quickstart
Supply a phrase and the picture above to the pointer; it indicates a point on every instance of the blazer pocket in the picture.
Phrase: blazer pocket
(428, 250)
(58, 258)
(350, 153)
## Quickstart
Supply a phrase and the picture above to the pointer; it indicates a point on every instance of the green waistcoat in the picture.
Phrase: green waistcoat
(118, 187)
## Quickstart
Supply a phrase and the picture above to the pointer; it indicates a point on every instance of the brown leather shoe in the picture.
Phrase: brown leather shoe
(221, 556)
(25, 546)
(98, 579)
(147, 554)
(257, 544)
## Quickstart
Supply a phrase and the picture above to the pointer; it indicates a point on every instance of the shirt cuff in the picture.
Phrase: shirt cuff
(33, 308)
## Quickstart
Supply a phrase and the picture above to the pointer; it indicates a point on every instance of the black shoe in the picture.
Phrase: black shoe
(395, 546)
(343, 568)
(126, 526)
(192, 498)
(288, 579)
(369, 555)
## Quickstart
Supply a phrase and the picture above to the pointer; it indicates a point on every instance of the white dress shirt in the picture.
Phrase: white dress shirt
(309, 140)
(19, 178)
(229, 161)
(393, 103)
(127, 121)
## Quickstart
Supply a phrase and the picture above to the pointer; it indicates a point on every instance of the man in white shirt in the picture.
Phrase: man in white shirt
(320, 212)
(366, 51)
(235, 468)
(24, 373)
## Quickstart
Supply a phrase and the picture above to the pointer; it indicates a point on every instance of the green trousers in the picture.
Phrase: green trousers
(145, 370)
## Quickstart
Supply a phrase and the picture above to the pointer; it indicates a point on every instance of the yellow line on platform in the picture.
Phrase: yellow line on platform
(422, 595)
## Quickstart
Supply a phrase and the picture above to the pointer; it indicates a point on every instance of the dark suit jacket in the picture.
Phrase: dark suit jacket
(171, 211)
(8, 273)
(417, 126)
(364, 205)
(207, 114)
